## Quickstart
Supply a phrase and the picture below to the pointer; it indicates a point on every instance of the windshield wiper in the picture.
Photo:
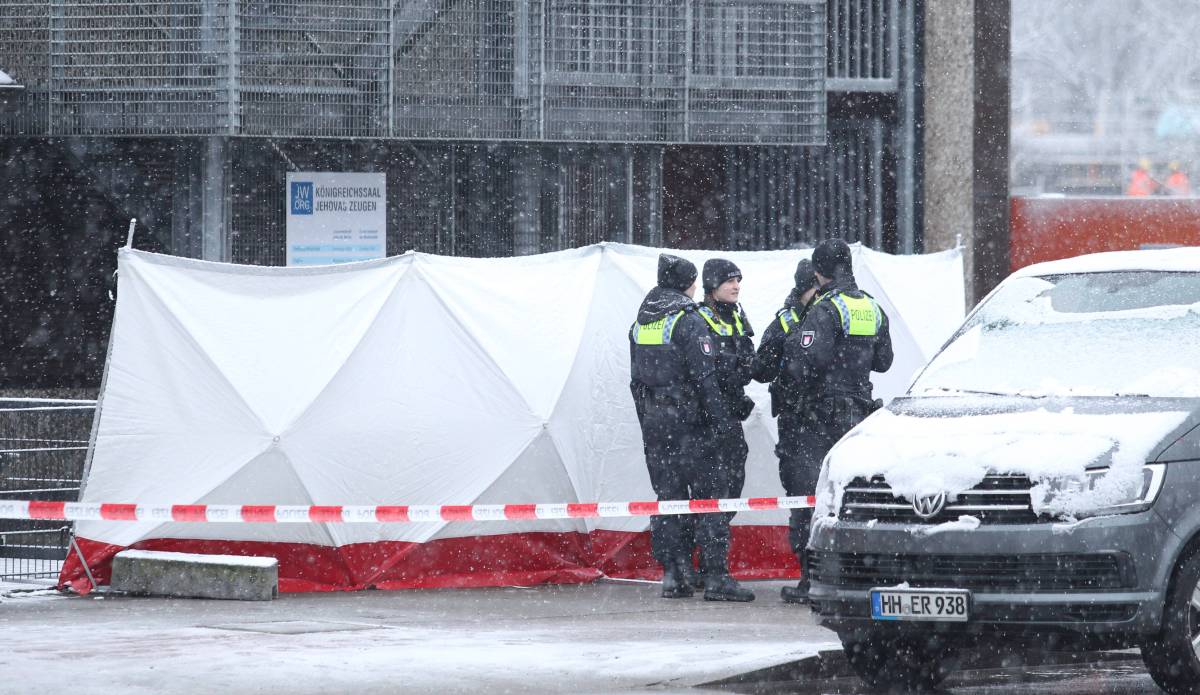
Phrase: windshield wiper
(982, 393)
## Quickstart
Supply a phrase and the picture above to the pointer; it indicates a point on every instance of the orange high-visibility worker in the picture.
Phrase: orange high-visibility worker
(1178, 183)
(1141, 183)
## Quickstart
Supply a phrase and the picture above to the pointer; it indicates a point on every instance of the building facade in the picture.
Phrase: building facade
(503, 126)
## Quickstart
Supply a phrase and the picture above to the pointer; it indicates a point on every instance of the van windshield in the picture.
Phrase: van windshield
(1128, 333)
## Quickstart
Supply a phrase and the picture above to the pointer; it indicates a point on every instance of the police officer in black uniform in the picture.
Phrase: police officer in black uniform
(722, 471)
(679, 405)
(796, 473)
(841, 340)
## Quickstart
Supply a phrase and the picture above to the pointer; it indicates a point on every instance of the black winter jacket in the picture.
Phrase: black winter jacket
(769, 358)
(831, 363)
(679, 375)
(734, 355)
(787, 394)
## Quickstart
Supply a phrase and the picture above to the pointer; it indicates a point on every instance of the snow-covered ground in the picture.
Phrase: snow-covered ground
(600, 638)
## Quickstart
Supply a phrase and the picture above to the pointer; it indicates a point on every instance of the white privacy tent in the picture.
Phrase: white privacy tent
(422, 379)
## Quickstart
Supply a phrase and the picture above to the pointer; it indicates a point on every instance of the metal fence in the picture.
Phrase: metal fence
(43, 444)
(463, 199)
(25, 54)
(783, 197)
(863, 44)
(310, 67)
(668, 71)
(132, 68)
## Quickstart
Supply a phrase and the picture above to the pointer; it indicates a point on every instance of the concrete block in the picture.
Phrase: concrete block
(187, 575)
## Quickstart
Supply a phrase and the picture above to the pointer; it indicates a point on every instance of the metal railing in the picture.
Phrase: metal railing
(25, 54)
(834, 191)
(460, 198)
(664, 71)
(863, 48)
(43, 445)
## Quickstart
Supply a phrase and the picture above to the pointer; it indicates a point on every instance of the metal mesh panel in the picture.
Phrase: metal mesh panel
(615, 70)
(469, 69)
(312, 67)
(42, 450)
(420, 191)
(862, 39)
(663, 71)
(24, 55)
(757, 73)
(788, 196)
(135, 68)
(258, 224)
(595, 197)
(420, 184)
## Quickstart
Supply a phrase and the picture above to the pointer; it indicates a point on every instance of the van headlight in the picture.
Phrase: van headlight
(1124, 499)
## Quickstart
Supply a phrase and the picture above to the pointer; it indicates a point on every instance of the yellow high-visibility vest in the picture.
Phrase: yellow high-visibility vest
(656, 332)
(785, 322)
(719, 326)
(860, 316)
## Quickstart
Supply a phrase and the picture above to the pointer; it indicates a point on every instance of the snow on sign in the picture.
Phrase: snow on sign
(335, 217)
(422, 380)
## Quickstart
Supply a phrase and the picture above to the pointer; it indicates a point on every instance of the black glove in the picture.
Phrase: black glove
(744, 408)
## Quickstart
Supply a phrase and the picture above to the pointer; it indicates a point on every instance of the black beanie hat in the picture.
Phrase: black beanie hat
(717, 271)
(675, 273)
(830, 254)
(804, 274)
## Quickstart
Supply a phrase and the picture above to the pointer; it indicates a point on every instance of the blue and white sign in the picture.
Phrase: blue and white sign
(302, 197)
(335, 217)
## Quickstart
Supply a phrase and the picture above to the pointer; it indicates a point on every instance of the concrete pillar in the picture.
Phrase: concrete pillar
(647, 195)
(201, 210)
(526, 211)
(186, 232)
(966, 100)
(949, 118)
(993, 73)
(217, 208)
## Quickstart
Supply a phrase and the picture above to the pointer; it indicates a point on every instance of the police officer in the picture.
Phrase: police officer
(840, 341)
(722, 470)
(679, 403)
(796, 473)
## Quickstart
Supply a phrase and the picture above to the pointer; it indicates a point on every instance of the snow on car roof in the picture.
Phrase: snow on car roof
(1183, 258)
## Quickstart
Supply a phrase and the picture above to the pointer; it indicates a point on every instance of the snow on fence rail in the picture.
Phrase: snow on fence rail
(348, 514)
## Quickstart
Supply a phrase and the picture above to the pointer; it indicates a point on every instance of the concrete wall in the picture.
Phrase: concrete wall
(966, 101)
(949, 119)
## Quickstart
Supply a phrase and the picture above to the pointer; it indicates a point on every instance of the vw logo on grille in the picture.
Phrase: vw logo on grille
(929, 506)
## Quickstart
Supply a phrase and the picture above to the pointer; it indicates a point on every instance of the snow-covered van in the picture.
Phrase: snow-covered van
(1038, 484)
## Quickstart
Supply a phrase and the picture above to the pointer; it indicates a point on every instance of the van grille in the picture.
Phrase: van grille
(999, 499)
(1046, 572)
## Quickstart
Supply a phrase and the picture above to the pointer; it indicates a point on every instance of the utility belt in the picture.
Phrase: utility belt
(785, 400)
(672, 394)
(671, 398)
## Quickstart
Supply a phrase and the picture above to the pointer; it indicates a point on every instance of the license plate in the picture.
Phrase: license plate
(920, 604)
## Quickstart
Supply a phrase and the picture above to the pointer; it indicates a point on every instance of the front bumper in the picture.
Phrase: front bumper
(1130, 606)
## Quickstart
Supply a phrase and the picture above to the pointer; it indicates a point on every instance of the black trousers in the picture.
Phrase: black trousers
(672, 453)
(805, 437)
(721, 473)
(692, 463)
(800, 453)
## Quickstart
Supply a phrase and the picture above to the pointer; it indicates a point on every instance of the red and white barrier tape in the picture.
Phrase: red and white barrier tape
(282, 514)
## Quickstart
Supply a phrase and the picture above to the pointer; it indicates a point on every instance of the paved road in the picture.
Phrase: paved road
(1111, 674)
(599, 638)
